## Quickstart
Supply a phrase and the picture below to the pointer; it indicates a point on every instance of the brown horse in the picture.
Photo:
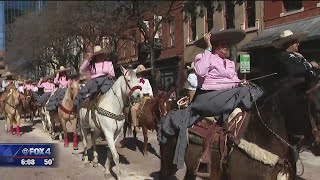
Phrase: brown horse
(12, 110)
(149, 116)
(263, 131)
(30, 106)
(66, 113)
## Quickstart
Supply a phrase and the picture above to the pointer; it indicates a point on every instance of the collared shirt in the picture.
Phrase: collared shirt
(192, 81)
(62, 81)
(101, 69)
(47, 86)
(146, 87)
(215, 73)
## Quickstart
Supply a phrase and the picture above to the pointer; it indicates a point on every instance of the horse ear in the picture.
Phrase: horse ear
(123, 70)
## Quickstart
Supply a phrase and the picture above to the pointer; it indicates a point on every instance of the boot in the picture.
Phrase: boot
(18, 130)
(11, 129)
(75, 141)
(65, 138)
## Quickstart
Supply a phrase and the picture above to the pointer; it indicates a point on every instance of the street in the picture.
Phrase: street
(133, 164)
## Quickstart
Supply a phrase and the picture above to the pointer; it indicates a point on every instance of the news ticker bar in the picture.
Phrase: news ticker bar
(27, 155)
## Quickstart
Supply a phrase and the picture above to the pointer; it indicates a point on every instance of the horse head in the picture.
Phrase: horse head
(130, 85)
(73, 89)
(164, 103)
(17, 98)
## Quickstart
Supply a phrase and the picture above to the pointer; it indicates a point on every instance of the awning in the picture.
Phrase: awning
(268, 35)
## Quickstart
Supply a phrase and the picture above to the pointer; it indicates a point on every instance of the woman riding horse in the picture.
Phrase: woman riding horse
(47, 84)
(62, 81)
(101, 71)
(219, 90)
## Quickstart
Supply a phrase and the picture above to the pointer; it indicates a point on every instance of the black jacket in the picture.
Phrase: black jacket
(291, 65)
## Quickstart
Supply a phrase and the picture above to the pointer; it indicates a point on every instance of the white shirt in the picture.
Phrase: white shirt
(192, 81)
(146, 87)
(4, 84)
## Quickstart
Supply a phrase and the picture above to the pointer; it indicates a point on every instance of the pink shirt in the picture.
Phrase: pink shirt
(48, 87)
(29, 87)
(63, 82)
(213, 74)
(102, 69)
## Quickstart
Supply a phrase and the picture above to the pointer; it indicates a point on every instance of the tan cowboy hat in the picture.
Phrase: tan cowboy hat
(232, 36)
(63, 69)
(287, 36)
(141, 69)
(191, 67)
(98, 50)
(46, 78)
(6, 74)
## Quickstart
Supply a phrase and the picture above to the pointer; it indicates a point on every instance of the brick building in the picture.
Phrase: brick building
(247, 16)
(297, 16)
(169, 53)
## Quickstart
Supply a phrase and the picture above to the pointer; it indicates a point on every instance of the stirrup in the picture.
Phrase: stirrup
(201, 165)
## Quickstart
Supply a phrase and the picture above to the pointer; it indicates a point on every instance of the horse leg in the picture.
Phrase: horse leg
(94, 137)
(145, 137)
(75, 134)
(189, 176)
(65, 132)
(125, 128)
(84, 133)
(11, 124)
(107, 164)
(112, 146)
(18, 124)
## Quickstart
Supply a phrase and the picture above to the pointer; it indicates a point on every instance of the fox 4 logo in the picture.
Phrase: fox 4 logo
(39, 151)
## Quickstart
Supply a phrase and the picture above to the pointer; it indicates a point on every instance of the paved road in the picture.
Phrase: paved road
(133, 164)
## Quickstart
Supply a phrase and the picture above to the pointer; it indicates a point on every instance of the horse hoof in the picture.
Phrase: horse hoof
(95, 164)
(75, 148)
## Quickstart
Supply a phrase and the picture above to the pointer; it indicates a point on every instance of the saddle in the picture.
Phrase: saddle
(90, 105)
(211, 135)
(141, 106)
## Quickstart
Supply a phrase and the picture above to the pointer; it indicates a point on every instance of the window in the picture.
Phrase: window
(209, 16)
(158, 35)
(229, 14)
(133, 43)
(124, 49)
(147, 29)
(251, 14)
(171, 33)
(193, 28)
(292, 5)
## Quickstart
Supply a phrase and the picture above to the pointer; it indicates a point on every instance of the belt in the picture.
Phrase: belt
(200, 91)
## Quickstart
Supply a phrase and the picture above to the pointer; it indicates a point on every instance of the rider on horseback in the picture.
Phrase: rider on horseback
(47, 84)
(146, 91)
(61, 80)
(219, 89)
(102, 73)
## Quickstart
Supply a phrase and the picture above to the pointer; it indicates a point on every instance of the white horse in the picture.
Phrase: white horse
(109, 115)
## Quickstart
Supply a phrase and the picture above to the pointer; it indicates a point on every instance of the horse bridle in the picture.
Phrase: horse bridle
(128, 85)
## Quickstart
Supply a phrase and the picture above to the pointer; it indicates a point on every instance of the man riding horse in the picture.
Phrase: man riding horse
(295, 71)
(7, 85)
(146, 91)
(219, 90)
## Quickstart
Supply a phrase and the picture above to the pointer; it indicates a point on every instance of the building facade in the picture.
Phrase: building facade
(297, 16)
(247, 16)
(169, 61)
(9, 10)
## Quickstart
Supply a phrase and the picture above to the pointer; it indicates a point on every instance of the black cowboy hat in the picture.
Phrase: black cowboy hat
(232, 36)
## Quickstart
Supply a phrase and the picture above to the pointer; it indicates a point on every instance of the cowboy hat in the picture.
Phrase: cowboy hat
(232, 36)
(191, 67)
(63, 69)
(287, 36)
(28, 81)
(98, 50)
(6, 74)
(141, 69)
(46, 78)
